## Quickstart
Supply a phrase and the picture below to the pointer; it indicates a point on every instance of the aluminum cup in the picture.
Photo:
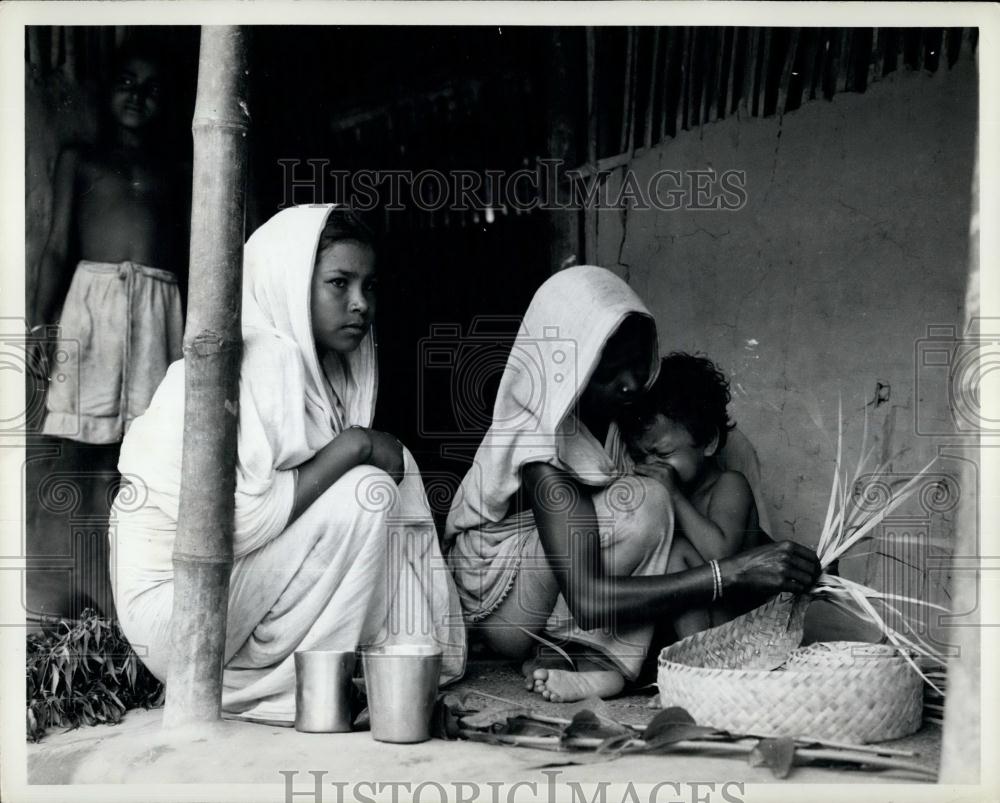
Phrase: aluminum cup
(323, 691)
(402, 685)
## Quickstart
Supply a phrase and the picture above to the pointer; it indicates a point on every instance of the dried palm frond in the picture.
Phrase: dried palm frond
(847, 524)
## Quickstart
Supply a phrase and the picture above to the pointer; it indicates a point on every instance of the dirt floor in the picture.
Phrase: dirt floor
(139, 751)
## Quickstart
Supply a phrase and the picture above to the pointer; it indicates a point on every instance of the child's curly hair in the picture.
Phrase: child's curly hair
(690, 390)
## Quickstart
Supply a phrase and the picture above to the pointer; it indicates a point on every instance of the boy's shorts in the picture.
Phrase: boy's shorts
(120, 329)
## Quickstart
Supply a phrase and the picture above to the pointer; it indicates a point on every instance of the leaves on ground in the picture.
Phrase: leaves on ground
(587, 724)
(84, 672)
(525, 725)
(673, 725)
(778, 755)
(486, 720)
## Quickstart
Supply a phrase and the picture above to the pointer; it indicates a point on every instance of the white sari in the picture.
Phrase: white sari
(361, 565)
(559, 345)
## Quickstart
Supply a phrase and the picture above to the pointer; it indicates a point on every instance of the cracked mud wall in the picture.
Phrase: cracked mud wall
(853, 241)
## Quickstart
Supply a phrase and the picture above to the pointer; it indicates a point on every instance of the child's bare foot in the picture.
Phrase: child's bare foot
(565, 686)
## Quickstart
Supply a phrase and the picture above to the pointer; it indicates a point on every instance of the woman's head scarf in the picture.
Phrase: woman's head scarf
(278, 264)
(560, 342)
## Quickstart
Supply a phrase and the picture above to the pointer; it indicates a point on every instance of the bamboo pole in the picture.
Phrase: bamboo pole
(719, 79)
(666, 111)
(628, 106)
(809, 65)
(682, 83)
(878, 55)
(965, 43)
(843, 51)
(203, 549)
(590, 213)
(765, 73)
(70, 62)
(682, 100)
(653, 73)
(750, 74)
(690, 102)
(786, 73)
(55, 45)
(35, 47)
(728, 108)
(561, 115)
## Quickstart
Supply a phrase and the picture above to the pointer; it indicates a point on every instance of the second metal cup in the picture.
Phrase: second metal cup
(402, 684)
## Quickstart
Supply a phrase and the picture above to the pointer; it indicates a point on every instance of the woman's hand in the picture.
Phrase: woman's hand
(770, 569)
(386, 454)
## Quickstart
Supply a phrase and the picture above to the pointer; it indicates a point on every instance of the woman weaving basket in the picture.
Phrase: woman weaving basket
(550, 533)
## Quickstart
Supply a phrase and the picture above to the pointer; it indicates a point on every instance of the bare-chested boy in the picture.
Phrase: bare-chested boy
(110, 277)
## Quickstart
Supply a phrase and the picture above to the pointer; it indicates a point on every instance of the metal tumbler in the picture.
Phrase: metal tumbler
(323, 680)
(402, 684)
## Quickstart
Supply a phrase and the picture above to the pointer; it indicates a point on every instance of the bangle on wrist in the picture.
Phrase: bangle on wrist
(716, 580)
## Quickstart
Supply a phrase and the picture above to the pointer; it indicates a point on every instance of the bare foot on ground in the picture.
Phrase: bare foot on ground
(542, 661)
(565, 686)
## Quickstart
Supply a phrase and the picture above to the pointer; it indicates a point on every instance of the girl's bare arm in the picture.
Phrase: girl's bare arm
(348, 449)
(353, 447)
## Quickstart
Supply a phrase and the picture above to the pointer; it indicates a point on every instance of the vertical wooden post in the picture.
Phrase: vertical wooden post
(961, 740)
(203, 550)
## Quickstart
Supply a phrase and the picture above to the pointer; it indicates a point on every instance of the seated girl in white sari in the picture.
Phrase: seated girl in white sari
(551, 534)
(334, 546)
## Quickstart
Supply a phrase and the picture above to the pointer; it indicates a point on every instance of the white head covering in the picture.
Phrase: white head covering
(290, 405)
(562, 337)
(278, 264)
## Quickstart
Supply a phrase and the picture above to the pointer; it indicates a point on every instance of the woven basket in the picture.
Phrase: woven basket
(836, 691)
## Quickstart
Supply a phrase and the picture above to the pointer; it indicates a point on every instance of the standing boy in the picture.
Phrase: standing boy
(109, 276)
